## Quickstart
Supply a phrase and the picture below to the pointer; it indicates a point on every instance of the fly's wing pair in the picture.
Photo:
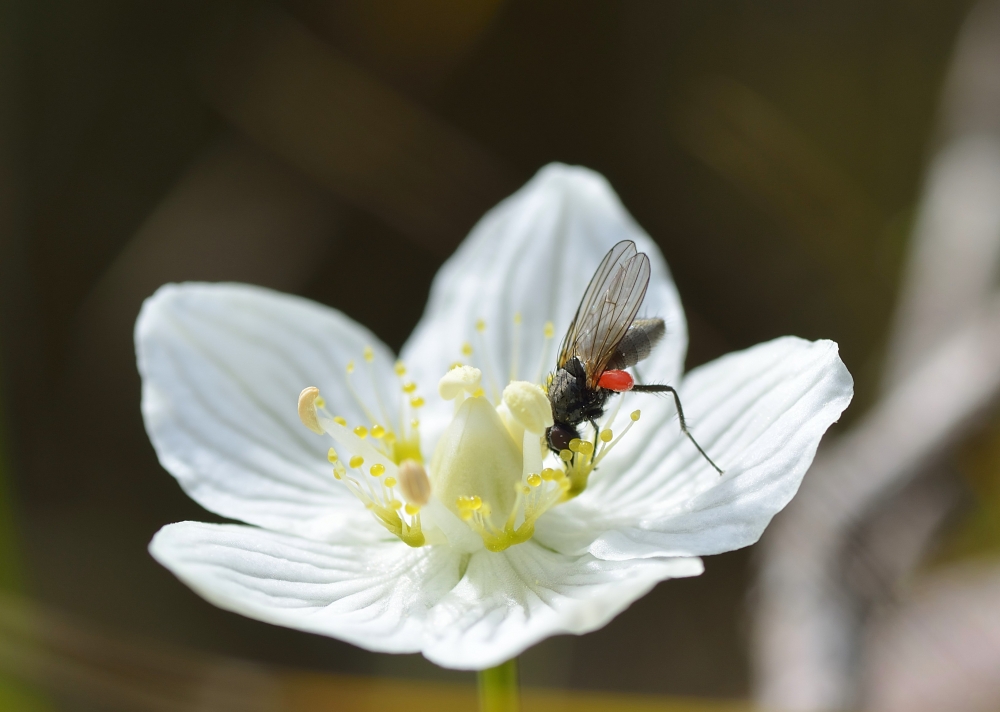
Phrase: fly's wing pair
(607, 310)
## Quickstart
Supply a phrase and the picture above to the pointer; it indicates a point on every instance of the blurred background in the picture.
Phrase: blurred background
(825, 169)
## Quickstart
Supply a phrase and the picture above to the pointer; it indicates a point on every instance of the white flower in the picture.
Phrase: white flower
(421, 516)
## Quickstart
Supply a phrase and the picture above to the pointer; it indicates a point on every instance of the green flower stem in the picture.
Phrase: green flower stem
(498, 688)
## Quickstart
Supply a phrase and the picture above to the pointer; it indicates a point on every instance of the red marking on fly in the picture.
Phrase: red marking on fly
(615, 380)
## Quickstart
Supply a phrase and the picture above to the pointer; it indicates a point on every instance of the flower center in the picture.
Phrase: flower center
(488, 468)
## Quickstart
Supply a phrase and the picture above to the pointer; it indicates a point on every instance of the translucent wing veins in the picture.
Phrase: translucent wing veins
(609, 306)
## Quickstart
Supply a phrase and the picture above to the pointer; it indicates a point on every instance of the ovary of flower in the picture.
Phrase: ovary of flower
(488, 473)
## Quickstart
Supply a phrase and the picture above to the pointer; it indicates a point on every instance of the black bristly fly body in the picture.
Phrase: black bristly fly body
(603, 340)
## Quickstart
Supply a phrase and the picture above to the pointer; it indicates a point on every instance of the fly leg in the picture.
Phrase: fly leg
(657, 388)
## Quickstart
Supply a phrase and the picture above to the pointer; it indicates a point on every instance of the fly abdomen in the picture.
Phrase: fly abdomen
(637, 343)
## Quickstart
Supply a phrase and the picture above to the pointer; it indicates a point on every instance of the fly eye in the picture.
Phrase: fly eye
(559, 436)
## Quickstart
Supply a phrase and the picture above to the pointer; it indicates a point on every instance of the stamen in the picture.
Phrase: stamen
(549, 332)
(361, 431)
(356, 462)
(377, 470)
(307, 409)
(331, 455)
(487, 363)
(516, 346)
(339, 420)
(354, 393)
(369, 356)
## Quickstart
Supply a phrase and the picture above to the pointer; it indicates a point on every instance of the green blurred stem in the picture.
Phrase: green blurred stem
(498, 688)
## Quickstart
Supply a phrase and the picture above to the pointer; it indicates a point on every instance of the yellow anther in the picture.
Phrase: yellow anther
(336, 473)
(396, 504)
(477, 502)
(586, 447)
(307, 409)
(378, 432)
(339, 420)
(361, 431)
(331, 455)
(320, 402)
(634, 415)
(478, 393)
(480, 325)
(356, 461)
(414, 484)
(565, 455)
(369, 354)
(350, 366)
(534, 480)
(377, 470)
(550, 330)
(417, 402)
(409, 387)
(465, 514)
(525, 489)
(466, 349)
(517, 317)
(411, 509)
(574, 444)
(607, 435)
(399, 368)
(548, 474)
(390, 482)
(339, 470)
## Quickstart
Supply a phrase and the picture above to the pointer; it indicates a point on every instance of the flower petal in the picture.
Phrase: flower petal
(222, 366)
(508, 601)
(533, 255)
(759, 413)
(374, 596)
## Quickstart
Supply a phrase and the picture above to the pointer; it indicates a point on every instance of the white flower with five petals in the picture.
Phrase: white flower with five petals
(423, 513)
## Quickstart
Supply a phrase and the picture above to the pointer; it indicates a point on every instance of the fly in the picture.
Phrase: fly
(604, 339)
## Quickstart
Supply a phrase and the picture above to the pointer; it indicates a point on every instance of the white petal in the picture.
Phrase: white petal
(222, 366)
(373, 596)
(533, 255)
(508, 601)
(759, 413)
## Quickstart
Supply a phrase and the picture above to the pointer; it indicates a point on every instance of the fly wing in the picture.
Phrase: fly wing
(592, 297)
(608, 308)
